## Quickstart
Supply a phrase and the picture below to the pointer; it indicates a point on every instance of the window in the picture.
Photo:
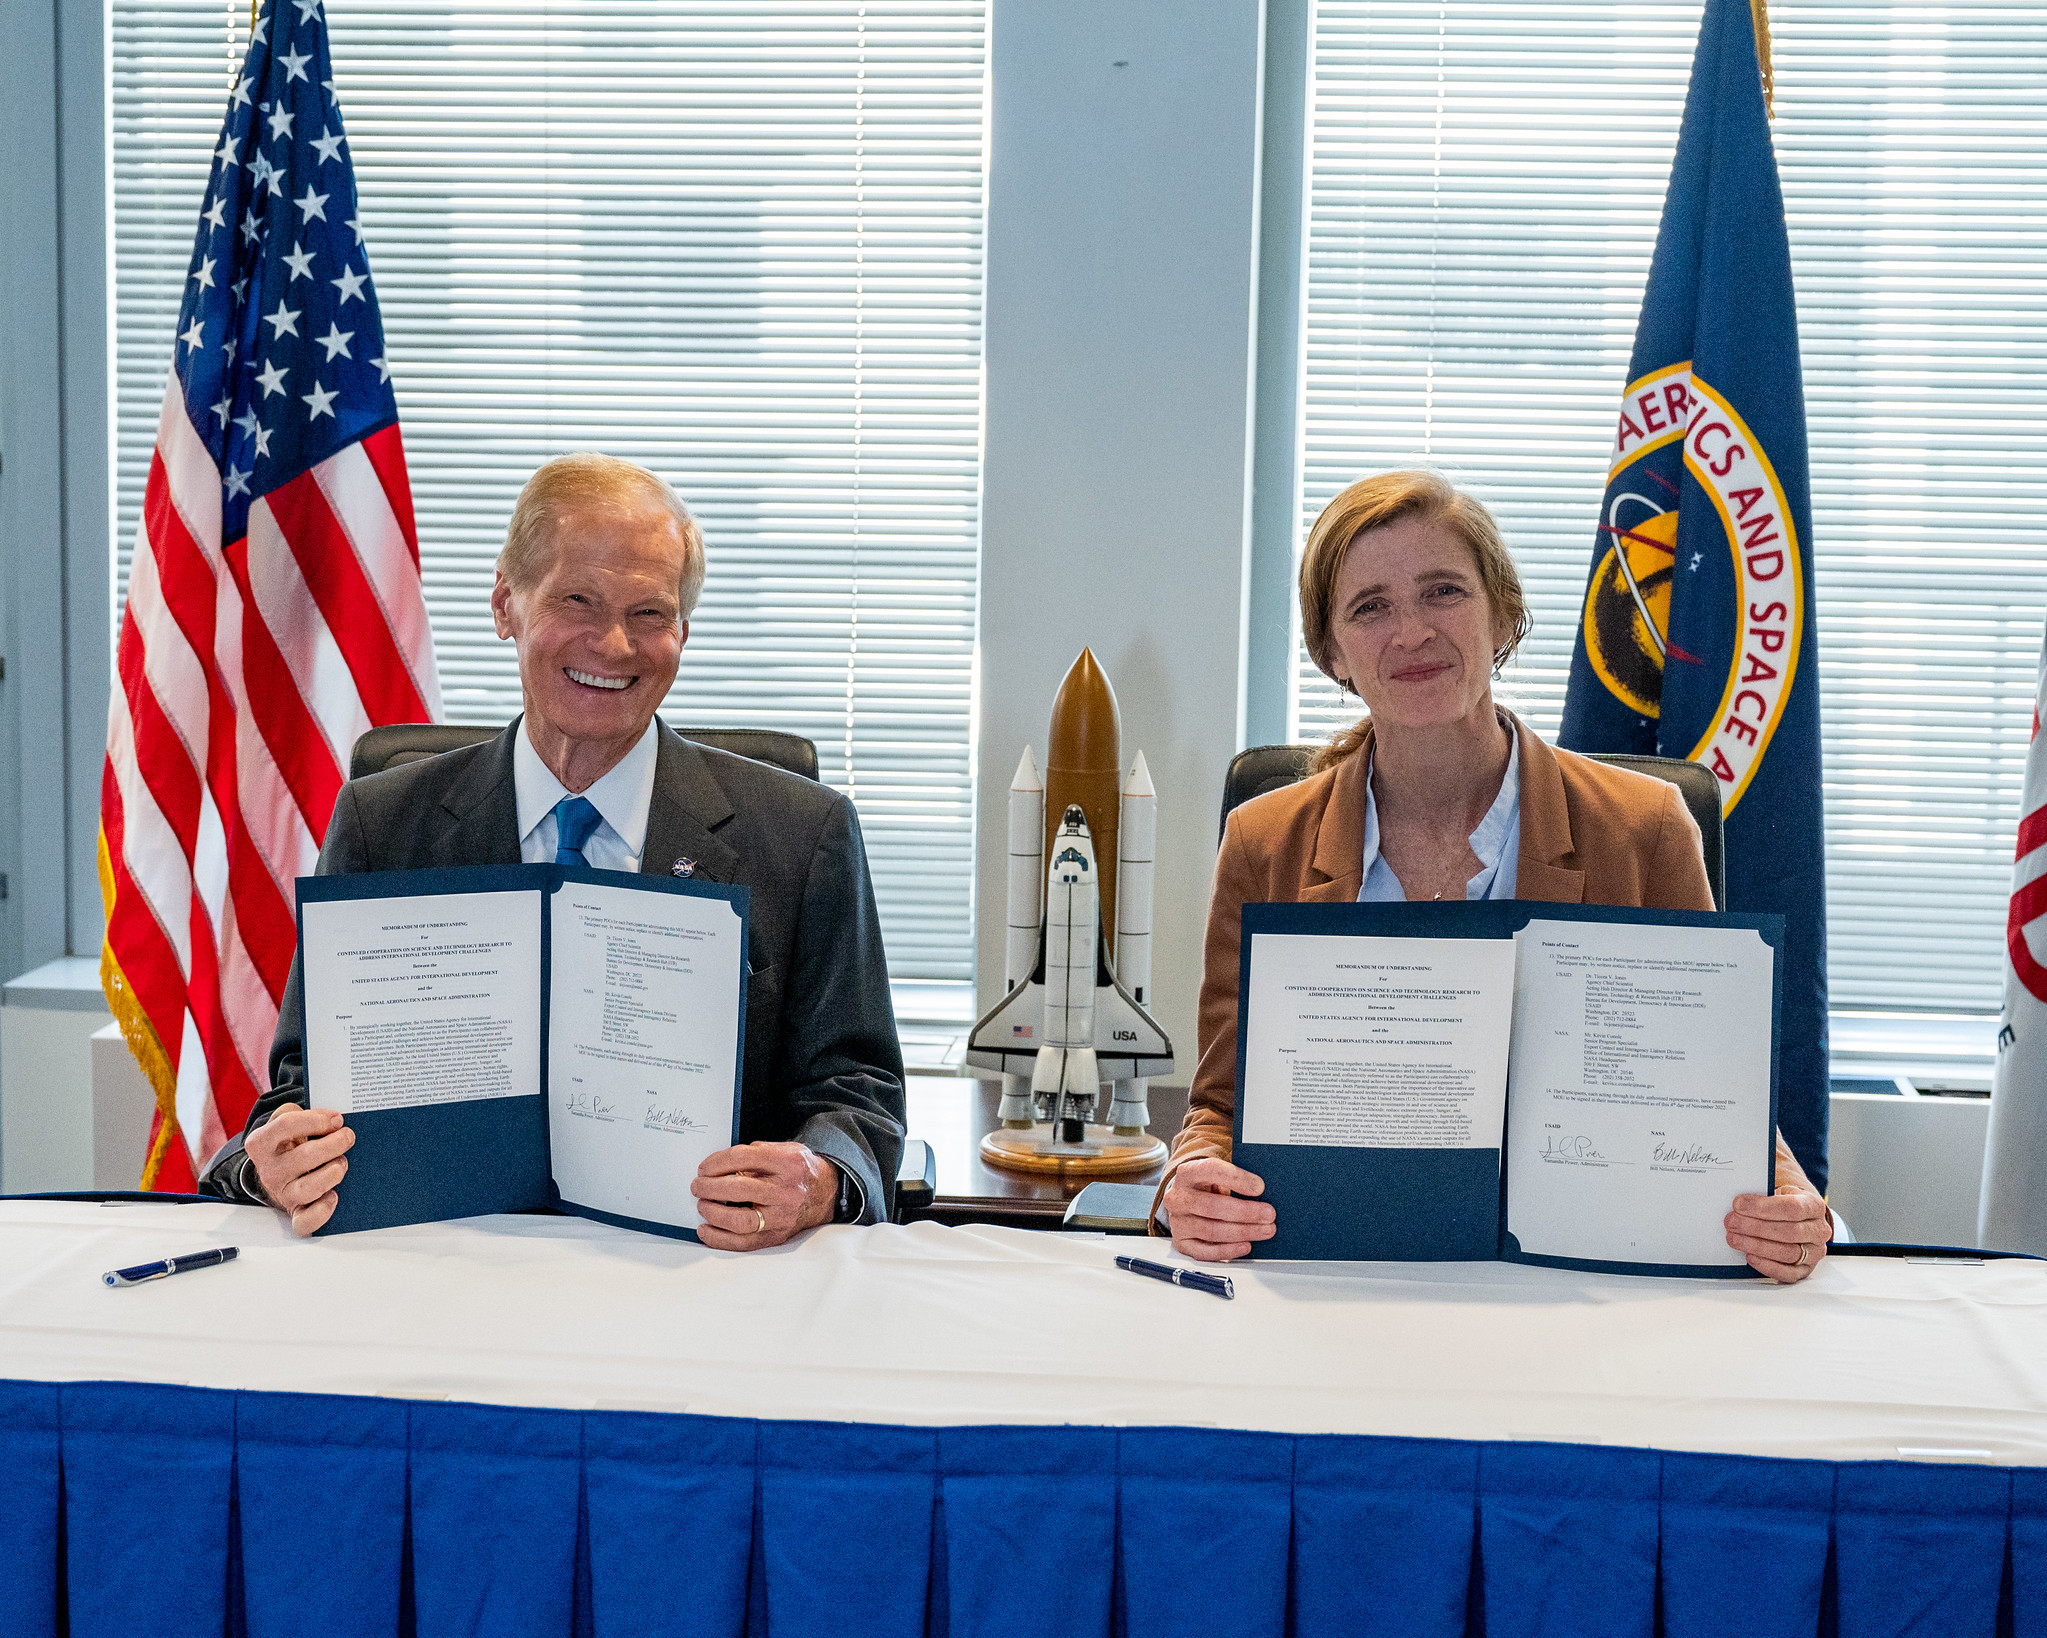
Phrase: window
(1486, 182)
(739, 243)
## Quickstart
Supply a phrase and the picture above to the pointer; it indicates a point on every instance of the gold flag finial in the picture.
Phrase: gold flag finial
(1760, 11)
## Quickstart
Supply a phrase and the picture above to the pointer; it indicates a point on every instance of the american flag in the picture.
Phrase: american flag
(274, 609)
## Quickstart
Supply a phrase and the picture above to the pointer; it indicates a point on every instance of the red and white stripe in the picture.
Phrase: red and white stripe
(2012, 1213)
(247, 670)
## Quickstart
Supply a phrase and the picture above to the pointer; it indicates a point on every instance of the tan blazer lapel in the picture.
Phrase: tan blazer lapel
(1337, 869)
(1546, 868)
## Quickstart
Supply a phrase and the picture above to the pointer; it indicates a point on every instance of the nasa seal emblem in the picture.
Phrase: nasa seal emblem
(1626, 618)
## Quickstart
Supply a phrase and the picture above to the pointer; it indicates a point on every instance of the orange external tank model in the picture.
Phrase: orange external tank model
(1084, 769)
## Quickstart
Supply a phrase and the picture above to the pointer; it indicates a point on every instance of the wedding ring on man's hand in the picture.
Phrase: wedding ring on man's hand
(760, 1221)
(1804, 1252)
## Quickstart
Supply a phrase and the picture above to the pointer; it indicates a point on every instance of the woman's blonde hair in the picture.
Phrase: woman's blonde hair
(1373, 503)
(586, 481)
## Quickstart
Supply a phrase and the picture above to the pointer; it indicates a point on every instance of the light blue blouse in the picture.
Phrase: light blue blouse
(1497, 842)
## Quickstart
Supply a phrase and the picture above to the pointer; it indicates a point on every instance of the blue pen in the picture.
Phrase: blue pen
(1216, 1285)
(142, 1272)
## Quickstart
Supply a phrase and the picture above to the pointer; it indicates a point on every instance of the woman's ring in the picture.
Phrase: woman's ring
(760, 1221)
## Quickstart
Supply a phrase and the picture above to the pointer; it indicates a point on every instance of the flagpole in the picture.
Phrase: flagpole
(1760, 11)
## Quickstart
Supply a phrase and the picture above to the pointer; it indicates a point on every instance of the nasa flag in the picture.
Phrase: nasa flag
(2013, 1215)
(1696, 638)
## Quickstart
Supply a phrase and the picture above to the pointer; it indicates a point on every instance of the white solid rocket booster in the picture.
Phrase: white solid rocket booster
(1136, 851)
(1026, 871)
(1066, 1062)
(1025, 907)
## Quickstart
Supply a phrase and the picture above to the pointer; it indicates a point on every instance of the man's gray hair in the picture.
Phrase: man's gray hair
(586, 481)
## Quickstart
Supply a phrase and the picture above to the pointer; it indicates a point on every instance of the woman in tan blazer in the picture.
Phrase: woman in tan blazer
(1410, 600)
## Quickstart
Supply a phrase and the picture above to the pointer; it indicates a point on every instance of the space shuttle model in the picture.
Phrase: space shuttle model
(1077, 959)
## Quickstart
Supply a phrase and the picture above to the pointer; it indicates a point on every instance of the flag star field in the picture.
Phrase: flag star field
(279, 320)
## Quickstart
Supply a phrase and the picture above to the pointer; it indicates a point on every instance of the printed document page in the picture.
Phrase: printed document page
(421, 1000)
(1641, 1089)
(643, 1046)
(1385, 1043)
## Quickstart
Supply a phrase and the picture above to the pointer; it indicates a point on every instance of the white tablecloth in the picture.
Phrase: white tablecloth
(929, 1325)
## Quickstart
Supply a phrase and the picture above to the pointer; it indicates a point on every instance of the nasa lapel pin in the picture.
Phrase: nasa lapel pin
(684, 868)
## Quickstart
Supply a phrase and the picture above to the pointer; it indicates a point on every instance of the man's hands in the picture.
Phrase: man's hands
(760, 1194)
(1208, 1222)
(1784, 1236)
(299, 1156)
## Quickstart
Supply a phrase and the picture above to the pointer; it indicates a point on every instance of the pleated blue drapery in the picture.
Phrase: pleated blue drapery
(136, 1510)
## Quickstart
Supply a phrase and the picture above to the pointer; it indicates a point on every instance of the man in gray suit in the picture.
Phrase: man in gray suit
(601, 568)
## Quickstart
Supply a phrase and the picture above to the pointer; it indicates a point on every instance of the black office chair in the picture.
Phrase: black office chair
(403, 742)
(1273, 767)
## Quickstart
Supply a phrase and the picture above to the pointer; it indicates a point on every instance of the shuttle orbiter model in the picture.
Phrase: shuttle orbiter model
(1077, 960)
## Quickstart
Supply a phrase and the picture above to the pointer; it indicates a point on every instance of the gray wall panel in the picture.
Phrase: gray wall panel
(1122, 247)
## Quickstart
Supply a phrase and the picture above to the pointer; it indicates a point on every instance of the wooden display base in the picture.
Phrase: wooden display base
(1100, 1154)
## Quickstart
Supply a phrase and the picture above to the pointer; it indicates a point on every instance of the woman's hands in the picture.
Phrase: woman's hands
(1209, 1222)
(1784, 1235)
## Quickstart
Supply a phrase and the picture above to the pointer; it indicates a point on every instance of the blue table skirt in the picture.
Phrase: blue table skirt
(133, 1510)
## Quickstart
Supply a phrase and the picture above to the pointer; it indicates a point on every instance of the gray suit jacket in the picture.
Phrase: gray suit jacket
(822, 1063)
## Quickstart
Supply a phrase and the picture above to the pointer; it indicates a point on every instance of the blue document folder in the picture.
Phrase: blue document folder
(428, 1161)
(1347, 1202)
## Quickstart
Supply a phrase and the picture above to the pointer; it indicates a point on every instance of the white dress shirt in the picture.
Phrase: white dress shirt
(1497, 842)
(622, 797)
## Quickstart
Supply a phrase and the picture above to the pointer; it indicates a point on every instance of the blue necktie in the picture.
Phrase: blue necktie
(575, 817)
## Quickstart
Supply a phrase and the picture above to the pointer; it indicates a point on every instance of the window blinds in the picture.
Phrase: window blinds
(739, 243)
(1486, 184)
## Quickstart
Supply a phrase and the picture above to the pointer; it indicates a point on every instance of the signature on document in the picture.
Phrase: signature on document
(1690, 1156)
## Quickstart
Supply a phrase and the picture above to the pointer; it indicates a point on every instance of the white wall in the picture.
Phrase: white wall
(46, 1100)
(47, 1021)
(1121, 288)
(1907, 1169)
(74, 1108)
